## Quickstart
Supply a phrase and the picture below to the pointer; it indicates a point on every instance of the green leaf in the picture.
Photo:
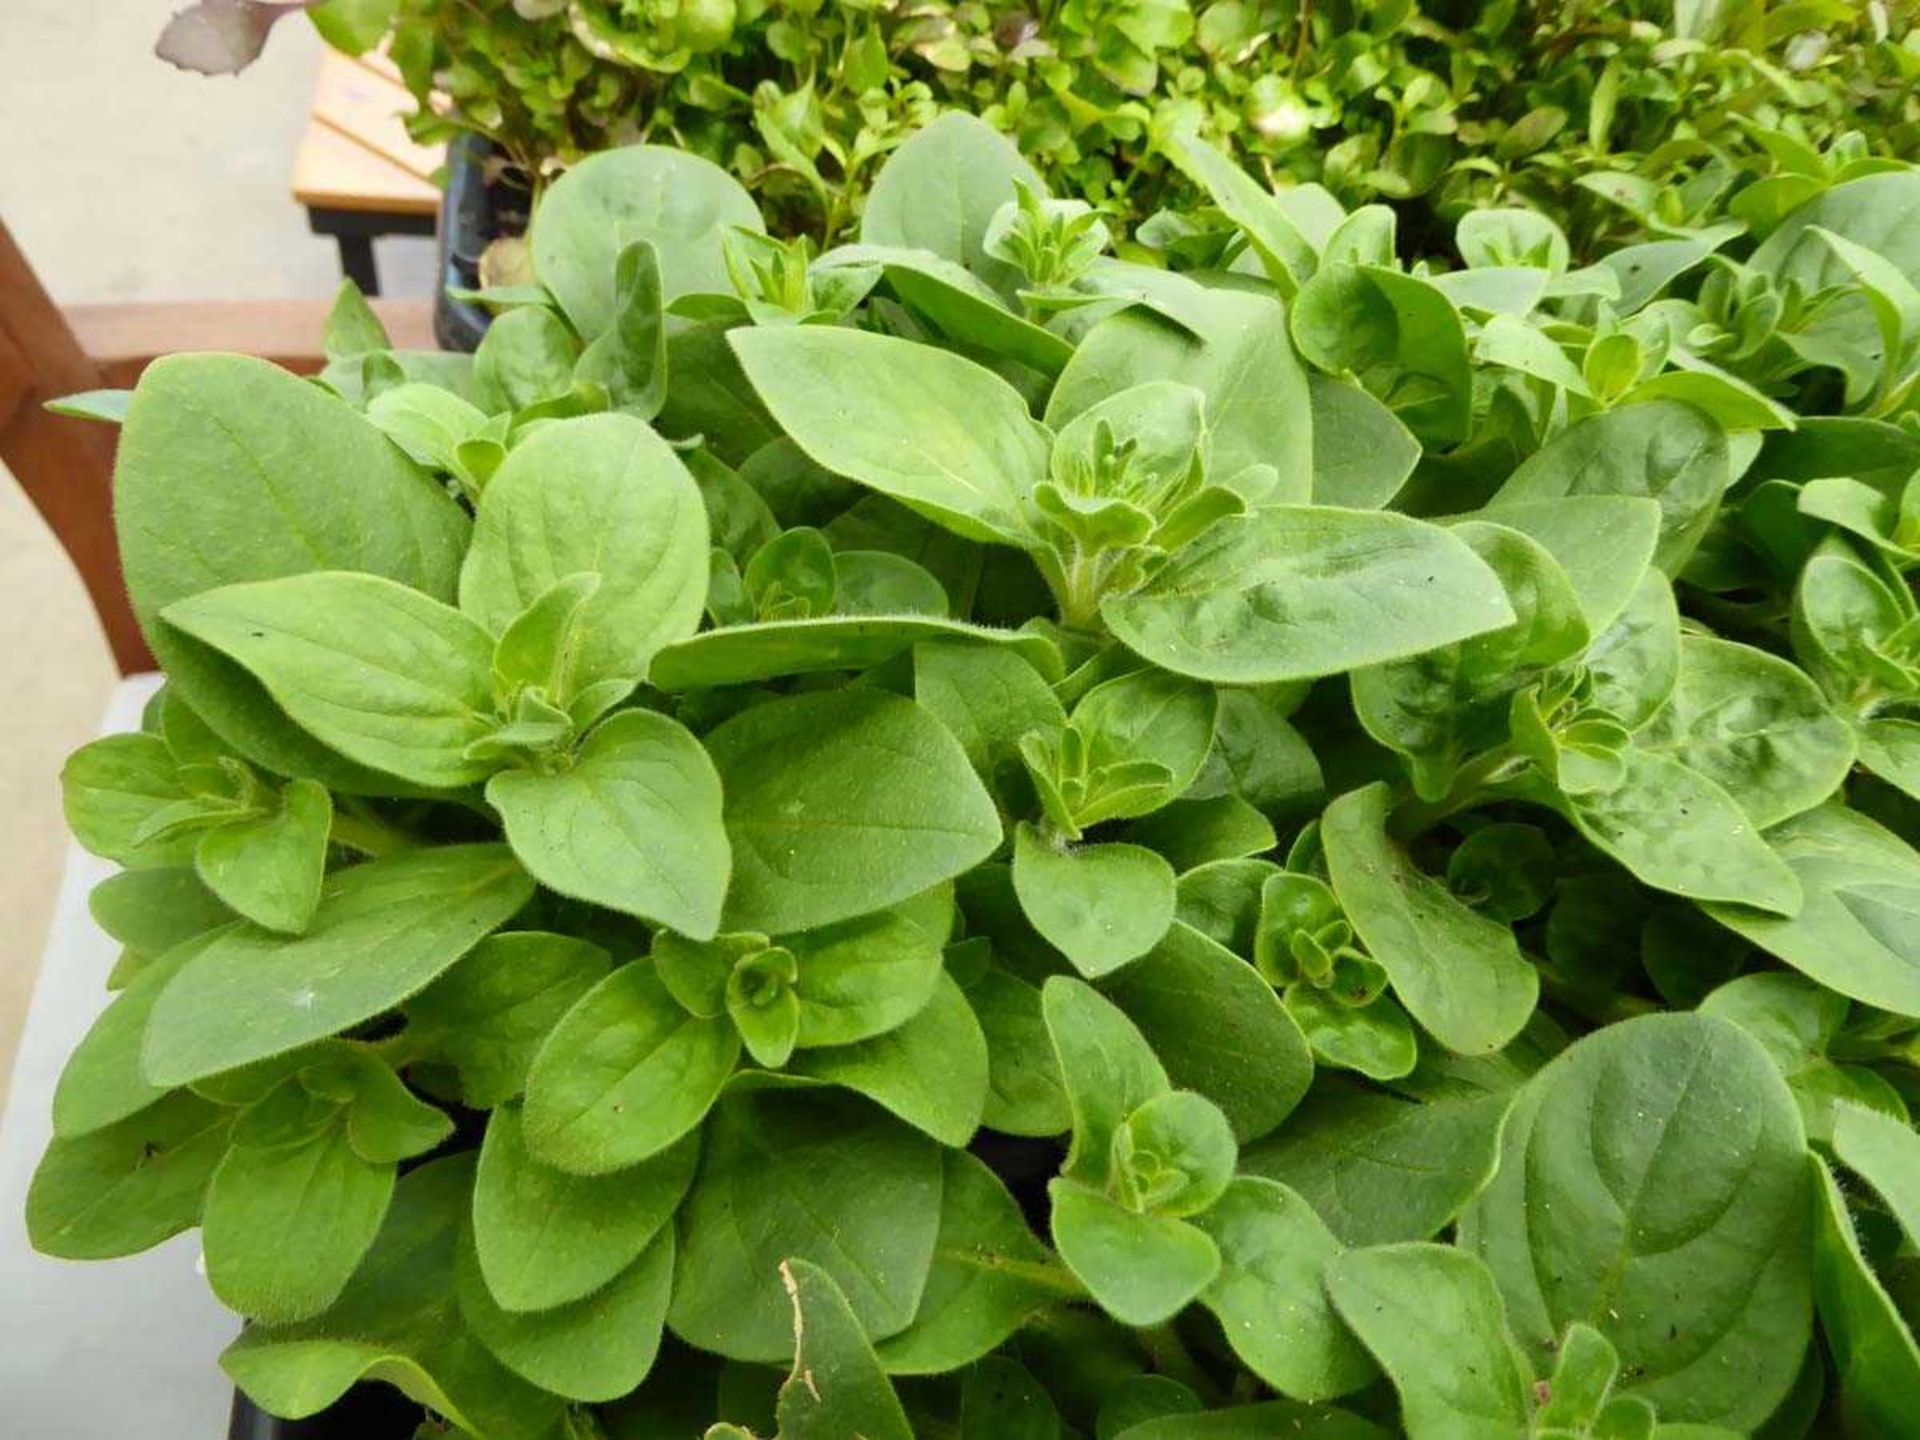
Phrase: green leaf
(1218, 1028)
(812, 1174)
(1665, 450)
(102, 1083)
(1295, 592)
(125, 1188)
(109, 789)
(1099, 905)
(634, 825)
(1885, 1152)
(1433, 1319)
(597, 1348)
(545, 1238)
(487, 1015)
(940, 191)
(286, 1227)
(1873, 1349)
(1379, 1167)
(1756, 726)
(1399, 335)
(1141, 1269)
(1460, 974)
(843, 803)
(152, 911)
(1107, 1069)
(271, 869)
(944, 436)
(398, 1320)
(1259, 1422)
(385, 675)
(1287, 255)
(601, 495)
(525, 360)
(1796, 1022)
(233, 470)
(931, 1071)
(963, 309)
(1024, 1093)
(866, 976)
(673, 200)
(1604, 543)
(1270, 1297)
(747, 654)
(1653, 1185)
(988, 697)
(1000, 1400)
(1230, 345)
(625, 1074)
(382, 931)
(630, 356)
(1362, 452)
(1678, 831)
(989, 1276)
(837, 1386)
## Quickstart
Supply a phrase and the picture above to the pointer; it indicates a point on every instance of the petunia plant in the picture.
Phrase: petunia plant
(963, 837)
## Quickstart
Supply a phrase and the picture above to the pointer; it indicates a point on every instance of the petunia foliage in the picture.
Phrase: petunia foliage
(965, 837)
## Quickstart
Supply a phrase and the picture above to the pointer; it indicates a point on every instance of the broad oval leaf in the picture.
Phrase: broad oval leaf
(383, 674)
(1756, 726)
(398, 1320)
(679, 203)
(382, 931)
(634, 824)
(596, 1348)
(1297, 592)
(297, 481)
(1871, 1343)
(1218, 1028)
(989, 1275)
(843, 803)
(1433, 1319)
(1379, 1167)
(285, 1228)
(1460, 974)
(601, 495)
(1653, 1185)
(1858, 930)
(1270, 1294)
(1677, 830)
(808, 1174)
(544, 1237)
(625, 1074)
(1664, 449)
(941, 189)
(1099, 905)
(937, 432)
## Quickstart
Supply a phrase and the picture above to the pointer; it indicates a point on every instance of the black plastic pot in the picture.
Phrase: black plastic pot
(474, 212)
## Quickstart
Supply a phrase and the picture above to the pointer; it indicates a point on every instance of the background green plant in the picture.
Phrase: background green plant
(1394, 785)
(1453, 105)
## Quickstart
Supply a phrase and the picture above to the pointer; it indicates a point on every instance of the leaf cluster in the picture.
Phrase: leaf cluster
(1456, 107)
(1038, 844)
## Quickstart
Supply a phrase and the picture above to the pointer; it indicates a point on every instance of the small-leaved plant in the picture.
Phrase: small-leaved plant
(1036, 845)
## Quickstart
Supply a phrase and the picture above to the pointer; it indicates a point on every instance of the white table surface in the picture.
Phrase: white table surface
(96, 1350)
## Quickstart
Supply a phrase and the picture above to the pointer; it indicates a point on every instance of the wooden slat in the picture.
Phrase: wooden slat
(64, 465)
(122, 338)
(331, 172)
(367, 108)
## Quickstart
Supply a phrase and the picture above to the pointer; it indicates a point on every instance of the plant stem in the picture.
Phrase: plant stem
(1473, 784)
(370, 835)
(1172, 1359)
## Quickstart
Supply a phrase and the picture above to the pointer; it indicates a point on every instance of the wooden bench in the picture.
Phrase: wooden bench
(358, 173)
(64, 465)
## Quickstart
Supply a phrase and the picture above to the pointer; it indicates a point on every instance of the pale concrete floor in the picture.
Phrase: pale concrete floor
(124, 179)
